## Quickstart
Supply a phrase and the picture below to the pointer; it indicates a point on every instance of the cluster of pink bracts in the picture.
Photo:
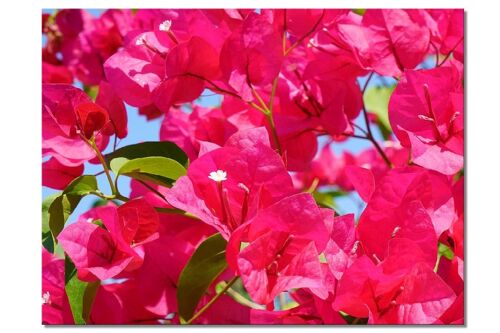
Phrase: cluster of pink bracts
(287, 77)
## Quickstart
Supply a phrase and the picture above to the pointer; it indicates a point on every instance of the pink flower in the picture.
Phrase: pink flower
(85, 42)
(388, 41)
(410, 203)
(57, 175)
(310, 311)
(55, 305)
(119, 304)
(342, 247)
(448, 31)
(284, 242)
(109, 100)
(426, 114)
(163, 67)
(255, 178)
(104, 252)
(68, 114)
(252, 55)
(402, 289)
(149, 294)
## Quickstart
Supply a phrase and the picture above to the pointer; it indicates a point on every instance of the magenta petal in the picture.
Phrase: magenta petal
(363, 181)
(57, 175)
(93, 251)
(435, 157)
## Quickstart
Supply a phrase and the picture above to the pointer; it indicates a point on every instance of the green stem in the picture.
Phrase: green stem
(273, 93)
(255, 106)
(270, 120)
(243, 301)
(212, 301)
(171, 211)
(102, 195)
(105, 166)
(269, 114)
(438, 260)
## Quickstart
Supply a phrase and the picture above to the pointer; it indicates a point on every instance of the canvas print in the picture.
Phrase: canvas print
(253, 166)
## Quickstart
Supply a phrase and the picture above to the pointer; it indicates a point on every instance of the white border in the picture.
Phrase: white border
(20, 155)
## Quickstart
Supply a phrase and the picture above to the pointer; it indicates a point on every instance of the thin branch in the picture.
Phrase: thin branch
(451, 51)
(152, 189)
(437, 54)
(212, 301)
(92, 144)
(368, 128)
(306, 34)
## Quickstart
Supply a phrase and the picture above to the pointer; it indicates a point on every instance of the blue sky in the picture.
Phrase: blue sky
(141, 130)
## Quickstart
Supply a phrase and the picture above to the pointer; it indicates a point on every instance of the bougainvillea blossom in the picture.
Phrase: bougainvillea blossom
(307, 166)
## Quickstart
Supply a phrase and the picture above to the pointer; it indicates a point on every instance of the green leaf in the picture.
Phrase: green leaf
(146, 149)
(75, 289)
(45, 210)
(59, 211)
(91, 91)
(117, 163)
(353, 320)
(359, 11)
(206, 264)
(81, 294)
(58, 207)
(82, 185)
(101, 202)
(327, 199)
(376, 100)
(160, 170)
(445, 251)
(69, 269)
(48, 240)
(88, 298)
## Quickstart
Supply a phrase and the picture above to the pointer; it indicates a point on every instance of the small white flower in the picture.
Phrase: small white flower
(424, 117)
(395, 231)
(140, 41)
(165, 25)
(218, 175)
(46, 298)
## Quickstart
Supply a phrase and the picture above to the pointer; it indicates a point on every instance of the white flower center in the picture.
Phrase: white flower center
(46, 298)
(140, 41)
(218, 175)
(165, 25)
